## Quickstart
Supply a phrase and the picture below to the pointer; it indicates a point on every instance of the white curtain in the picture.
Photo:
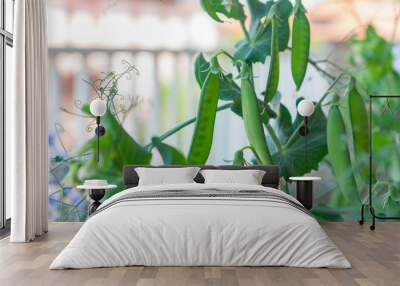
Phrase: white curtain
(26, 119)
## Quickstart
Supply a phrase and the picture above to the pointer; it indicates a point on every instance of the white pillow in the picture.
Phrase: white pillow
(166, 176)
(247, 177)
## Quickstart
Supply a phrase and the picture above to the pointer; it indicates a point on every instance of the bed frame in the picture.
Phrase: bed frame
(271, 178)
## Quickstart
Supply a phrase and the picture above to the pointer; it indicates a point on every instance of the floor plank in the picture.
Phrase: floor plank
(375, 257)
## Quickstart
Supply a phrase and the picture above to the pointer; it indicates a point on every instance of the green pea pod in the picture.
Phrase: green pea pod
(273, 73)
(359, 126)
(300, 45)
(252, 119)
(340, 157)
(204, 128)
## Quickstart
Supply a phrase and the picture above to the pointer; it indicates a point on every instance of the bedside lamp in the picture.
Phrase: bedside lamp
(306, 109)
(98, 108)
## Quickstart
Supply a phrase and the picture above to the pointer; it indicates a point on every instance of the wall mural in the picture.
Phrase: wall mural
(338, 136)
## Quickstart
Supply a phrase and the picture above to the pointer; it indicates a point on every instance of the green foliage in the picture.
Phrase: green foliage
(267, 35)
(228, 89)
(291, 156)
(284, 123)
(201, 69)
(387, 198)
(169, 154)
(271, 131)
(386, 157)
(117, 148)
(106, 87)
(372, 61)
(231, 9)
(258, 10)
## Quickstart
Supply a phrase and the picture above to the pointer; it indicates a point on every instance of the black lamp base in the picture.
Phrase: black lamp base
(305, 193)
(100, 131)
(303, 131)
(96, 195)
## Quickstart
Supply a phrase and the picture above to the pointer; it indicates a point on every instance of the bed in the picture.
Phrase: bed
(198, 224)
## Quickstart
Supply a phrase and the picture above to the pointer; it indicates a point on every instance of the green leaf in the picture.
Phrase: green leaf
(284, 125)
(260, 46)
(371, 59)
(228, 89)
(292, 157)
(232, 9)
(122, 141)
(257, 11)
(204, 129)
(169, 154)
(386, 197)
(254, 52)
(210, 9)
(201, 69)
(239, 158)
(385, 112)
(117, 148)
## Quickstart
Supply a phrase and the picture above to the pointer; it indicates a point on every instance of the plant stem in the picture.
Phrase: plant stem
(177, 128)
(328, 91)
(324, 72)
(274, 137)
(223, 52)
(246, 147)
(246, 33)
(336, 80)
(252, 151)
(335, 65)
(318, 68)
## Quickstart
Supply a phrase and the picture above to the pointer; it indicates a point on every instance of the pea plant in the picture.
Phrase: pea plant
(272, 133)
(340, 139)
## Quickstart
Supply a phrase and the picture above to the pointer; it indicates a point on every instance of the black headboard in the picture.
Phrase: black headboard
(271, 178)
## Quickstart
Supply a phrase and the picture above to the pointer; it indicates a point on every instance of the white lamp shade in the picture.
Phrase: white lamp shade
(98, 107)
(306, 108)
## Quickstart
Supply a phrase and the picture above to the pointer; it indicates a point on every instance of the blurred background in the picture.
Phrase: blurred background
(161, 38)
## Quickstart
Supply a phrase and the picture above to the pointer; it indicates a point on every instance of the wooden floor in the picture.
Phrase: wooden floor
(375, 257)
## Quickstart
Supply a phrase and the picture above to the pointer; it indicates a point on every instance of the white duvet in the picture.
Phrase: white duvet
(200, 231)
